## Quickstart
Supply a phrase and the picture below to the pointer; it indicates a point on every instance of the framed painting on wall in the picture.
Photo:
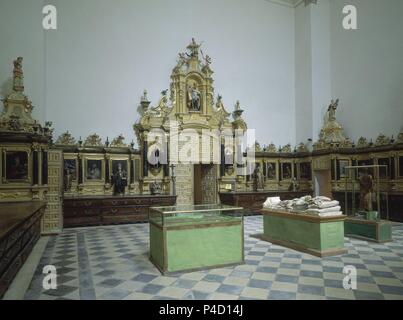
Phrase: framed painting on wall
(271, 172)
(94, 170)
(286, 171)
(16, 165)
(305, 169)
(342, 168)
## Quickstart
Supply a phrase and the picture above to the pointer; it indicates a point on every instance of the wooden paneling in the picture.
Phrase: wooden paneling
(97, 210)
(253, 201)
(20, 228)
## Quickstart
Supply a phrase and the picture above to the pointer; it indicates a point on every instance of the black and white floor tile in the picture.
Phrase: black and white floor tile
(111, 262)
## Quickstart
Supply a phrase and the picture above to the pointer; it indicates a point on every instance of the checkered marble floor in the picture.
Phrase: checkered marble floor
(111, 262)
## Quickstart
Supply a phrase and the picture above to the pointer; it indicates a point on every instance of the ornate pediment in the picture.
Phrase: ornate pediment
(286, 149)
(190, 101)
(66, 139)
(258, 148)
(119, 142)
(382, 140)
(302, 148)
(362, 143)
(93, 141)
(271, 148)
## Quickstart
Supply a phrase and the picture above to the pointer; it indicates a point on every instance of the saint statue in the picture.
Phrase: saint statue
(331, 111)
(366, 188)
(294, 185)
(194, 98)
(119, 180)
(68, 178)
(258, 179)
(194, 49)
(18, 79)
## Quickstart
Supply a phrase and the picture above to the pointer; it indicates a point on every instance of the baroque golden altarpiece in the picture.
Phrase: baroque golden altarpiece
(33, 167)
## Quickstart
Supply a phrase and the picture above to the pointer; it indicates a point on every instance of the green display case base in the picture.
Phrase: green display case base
(173, 273)
(318, 236)
(301, 248)
(369, 230)
(195, 247)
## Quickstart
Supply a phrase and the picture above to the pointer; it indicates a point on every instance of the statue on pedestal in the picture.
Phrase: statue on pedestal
(193, 47)
(194, 98)
(331, 111)
(18, 75)
(366, 188)
(68, 179)
(119, 180)
(332, 133)
(258, 179)
(294, 185)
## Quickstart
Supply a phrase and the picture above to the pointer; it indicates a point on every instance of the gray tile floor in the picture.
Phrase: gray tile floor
(111, 262)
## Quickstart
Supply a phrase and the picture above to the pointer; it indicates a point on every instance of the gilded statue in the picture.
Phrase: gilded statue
(119, 141)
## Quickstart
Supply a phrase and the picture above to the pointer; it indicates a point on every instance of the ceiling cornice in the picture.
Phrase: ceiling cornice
(292, 3)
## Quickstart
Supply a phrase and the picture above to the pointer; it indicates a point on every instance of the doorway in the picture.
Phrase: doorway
(204, 184)
(323, 183)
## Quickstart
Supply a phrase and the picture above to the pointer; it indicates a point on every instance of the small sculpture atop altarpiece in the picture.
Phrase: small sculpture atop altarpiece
(382, 140)
(66, 139)
(119, 142)
(238, 122)
(17, 114)
(93, 140)
(332, 133)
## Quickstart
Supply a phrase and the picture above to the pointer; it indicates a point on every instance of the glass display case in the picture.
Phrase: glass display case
(184, 238)
(364, 195)
(366, 202)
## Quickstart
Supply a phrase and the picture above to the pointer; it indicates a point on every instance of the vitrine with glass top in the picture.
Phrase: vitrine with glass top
(185, 238)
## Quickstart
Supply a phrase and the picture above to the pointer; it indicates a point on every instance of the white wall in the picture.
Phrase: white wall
(303, 74)
(105, 53)
(21, 34)
(367, 67)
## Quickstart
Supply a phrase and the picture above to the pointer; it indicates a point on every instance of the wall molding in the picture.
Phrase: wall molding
(292, 5)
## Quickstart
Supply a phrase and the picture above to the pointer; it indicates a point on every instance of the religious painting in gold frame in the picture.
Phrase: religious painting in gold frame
(16, 168)
(305, 171)
(343, 163)
(286, 171)
(94, 169)
(271, 171)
